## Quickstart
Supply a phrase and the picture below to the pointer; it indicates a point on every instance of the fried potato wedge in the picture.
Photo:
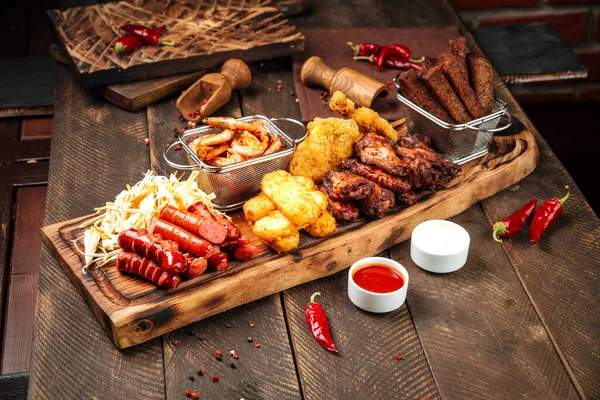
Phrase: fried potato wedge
(274, 226)
(285, 243)
(324, 226)
(258, 207)
(295, 202)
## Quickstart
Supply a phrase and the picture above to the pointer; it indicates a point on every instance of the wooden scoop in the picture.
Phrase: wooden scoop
(357, 87)
(213, 91)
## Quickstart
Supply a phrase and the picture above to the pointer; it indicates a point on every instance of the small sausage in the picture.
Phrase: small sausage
(206, 228)
(186, 241)
(196, 266)
(241, 249)
(233, 231)
(164, 252)
(218, 261)
(134, 264)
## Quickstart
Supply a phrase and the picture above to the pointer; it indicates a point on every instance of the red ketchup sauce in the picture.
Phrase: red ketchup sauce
(378, 278)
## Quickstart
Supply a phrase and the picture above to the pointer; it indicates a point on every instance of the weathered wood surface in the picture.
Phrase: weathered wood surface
(14, 386)
(547, 294)
(26, 86)
(205, 35)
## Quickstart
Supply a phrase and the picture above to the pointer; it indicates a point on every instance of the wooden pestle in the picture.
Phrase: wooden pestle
(357, 87)
(214, 88)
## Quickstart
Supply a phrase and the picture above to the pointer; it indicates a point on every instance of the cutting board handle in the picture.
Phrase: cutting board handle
(237, 73)
(316, 73)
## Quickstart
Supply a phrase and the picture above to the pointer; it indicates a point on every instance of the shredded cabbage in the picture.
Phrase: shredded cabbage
(134, 207)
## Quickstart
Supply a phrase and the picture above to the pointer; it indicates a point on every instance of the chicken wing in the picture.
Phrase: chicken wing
(343, 211)
(415, 142)
(394, 183)
(345, 186)
(378, 203)
(379, 151)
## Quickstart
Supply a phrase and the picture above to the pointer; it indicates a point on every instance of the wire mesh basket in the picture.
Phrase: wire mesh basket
(461, 143)
(234, 184)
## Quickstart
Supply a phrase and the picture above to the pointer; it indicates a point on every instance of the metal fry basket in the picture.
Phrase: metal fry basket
(234, 184)
(461, 143)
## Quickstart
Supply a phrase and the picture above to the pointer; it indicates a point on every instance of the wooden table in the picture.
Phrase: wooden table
(518, 321)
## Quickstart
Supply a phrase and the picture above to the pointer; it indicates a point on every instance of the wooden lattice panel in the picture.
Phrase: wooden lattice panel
(206, 34)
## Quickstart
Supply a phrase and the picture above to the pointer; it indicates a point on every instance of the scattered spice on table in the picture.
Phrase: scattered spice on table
(399, 357)
(214, 378)
(147, 142)
(127, 44)
(201, 372)
(188, 393)
(217, 353)
(178, 147)
(235, 355)
(191, 378)
(205, 342)
(279, 88)
(228, 326)
(256, 344)
(232, 365)
(176, 342)
(512, 224)
(251, 324)
(546, 215)
(249, 339)
(318, 324)
(195, 396)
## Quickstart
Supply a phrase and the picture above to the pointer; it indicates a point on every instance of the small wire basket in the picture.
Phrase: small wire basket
(234, 184)
(461, 143)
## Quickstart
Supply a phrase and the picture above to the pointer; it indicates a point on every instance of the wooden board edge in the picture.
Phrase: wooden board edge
(138, 324)
(36, 111)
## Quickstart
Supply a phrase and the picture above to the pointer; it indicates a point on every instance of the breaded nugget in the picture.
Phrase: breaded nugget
(328, 142)
(324, 226)
(367, 119)
(273, 226)
(295, 202)
(482, 79)
(257, 208)
(437, 82)
(456, 72)
(306, 182)
(414, 89)
(286, 243)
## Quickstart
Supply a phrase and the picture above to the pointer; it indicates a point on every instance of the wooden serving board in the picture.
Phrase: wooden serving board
(206, 33)
(133, 311)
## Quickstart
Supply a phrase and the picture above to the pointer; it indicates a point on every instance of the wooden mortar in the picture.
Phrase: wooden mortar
(357, 87)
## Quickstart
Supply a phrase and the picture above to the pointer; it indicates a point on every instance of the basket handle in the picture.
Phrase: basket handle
(293, 121)
(173, 164)
(504, 113)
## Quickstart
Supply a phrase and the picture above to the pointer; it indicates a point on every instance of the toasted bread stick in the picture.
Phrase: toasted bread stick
(456, 72)
(435, 79)
(482, 80)
(416, 90)
(458, 47)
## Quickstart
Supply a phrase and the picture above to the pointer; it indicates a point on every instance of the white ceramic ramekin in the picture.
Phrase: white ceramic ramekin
(377, 302)
(439, 246)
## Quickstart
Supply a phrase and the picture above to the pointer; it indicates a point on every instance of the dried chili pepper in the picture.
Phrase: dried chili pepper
(318, 325)
(545, 216)
(391, 63)
(126, 44)
(513, 224)
(394, 50)
(148, 35)
(365, 49)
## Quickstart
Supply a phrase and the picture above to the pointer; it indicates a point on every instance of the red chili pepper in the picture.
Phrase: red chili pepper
(513, 224)
(318, 325)
(126, 44)
(148, 35)
(392, 62)
(365, 49)
(545, 216)
(394, 50)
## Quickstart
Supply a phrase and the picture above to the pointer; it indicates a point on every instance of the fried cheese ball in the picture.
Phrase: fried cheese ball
(257, 208)
(328, 142)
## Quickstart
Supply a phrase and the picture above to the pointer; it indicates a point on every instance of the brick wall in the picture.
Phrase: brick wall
(578, 23)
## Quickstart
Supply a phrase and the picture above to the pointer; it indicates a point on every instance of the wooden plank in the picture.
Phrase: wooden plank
(27, 82)
(34, 128)
(213, 33)
(14, 386)
(368, 344)
(133, 312)
(92, 155)
(26, 111)
(22, 284)
(482, 336)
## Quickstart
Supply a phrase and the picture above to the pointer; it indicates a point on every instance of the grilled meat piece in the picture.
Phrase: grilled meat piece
(415, 89)
(433, 171)
(394, 183)
(415, 142)
(408, 198)
(343, 211)
(378, 203)
(482, 79)
(380, 152)
(439, 85)
(345, 186)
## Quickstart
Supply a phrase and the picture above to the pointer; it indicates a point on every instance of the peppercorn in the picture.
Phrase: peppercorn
(176, 343)
(217, 353)
(279, 88)
(194, 395)
(399, 357)
(201, 372)
(256, 344)
(249, 339)
(190, 114)
(205, 342)
(188, 393)
(232, 365)
(178, 115)
(235, 355)
(214, 378)
(191, 378)
(219, 358)
(147, 142)
(228, 326)
(251, 324)
(178, 147)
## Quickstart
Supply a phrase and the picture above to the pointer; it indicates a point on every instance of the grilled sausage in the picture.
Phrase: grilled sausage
(164, 252)
(241, 249)
(206, 228)
(218, 261)
(233, 231)
(186, 241)
(134, 264)
(196, 266)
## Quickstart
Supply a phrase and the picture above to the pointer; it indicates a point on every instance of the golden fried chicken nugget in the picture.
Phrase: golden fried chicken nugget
(274, 226)
(324, 226)
(328, 142)
(257, 208)
(306, 182)
(295, 202)
(285, 243)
